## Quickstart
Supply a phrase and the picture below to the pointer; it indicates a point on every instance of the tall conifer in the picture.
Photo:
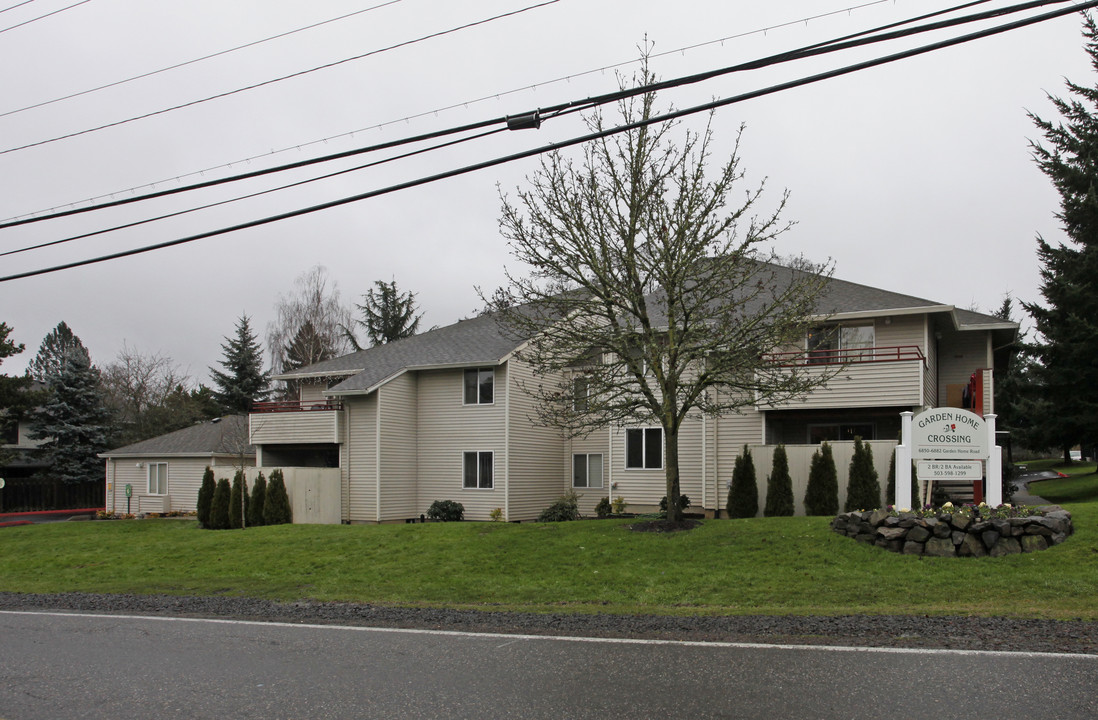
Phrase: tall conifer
(244, 380)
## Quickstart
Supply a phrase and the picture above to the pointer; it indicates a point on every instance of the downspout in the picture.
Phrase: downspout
(705, 457)
(345, 454)
(507, 442)
(377, 458)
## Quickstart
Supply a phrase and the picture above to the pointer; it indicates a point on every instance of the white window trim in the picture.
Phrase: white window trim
(644, 447)
(587, 461)
(478, 370)
(478, 454)
(148, 478)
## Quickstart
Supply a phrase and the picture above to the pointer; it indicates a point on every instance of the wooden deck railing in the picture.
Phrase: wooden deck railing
(851, 356)
(281, 406)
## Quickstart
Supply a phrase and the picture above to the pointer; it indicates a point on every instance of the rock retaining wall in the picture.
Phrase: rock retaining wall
(951, 534)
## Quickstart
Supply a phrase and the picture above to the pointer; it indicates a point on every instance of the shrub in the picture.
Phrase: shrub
(446, 511)
(496, 514)
(259, 497)
(565, 508)
(205, 497)
(604, 509)
(619, 504)
(822, 495)
(779, 486)
(219, 506)
(276, 504)
(238, 501)
(863, 491)
(743, 495)
(684, 502)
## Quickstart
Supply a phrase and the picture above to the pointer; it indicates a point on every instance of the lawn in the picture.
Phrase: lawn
(1081, 485)
(758, 566)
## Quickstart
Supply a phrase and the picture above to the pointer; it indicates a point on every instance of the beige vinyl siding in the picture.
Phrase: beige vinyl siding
(902, 330)
(732, 432)
(864, 384)
(962, 353)
(281, 428)
(642, 488)
(312, 391)
(397, 400)
(535, 452)
(447, 429)
(597, 443)
(359, 459)
(930, 374)
(184, 480)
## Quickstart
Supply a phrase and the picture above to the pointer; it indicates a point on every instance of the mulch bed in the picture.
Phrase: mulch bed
(664, 526)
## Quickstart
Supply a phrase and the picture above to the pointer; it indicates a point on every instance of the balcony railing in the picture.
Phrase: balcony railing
(849, 356)
(282, 406)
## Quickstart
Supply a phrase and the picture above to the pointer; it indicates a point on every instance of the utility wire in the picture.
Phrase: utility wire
(41, 17)
(713, 105)
(150, 73)
(870, 36)
(299, 73)
(25, 2)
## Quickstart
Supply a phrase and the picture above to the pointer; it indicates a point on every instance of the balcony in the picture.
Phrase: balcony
(294, 422)
(866, 377)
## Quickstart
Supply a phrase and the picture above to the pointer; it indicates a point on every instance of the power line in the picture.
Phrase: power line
(713, 105)
(278, 79)
(841, 43)
(41, 17)
(496, 96)
(150, 73)
(17, 5)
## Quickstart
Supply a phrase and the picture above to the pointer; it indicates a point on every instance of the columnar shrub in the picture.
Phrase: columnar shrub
(238, 501)
(604, 509)
(743, 495)
(779, 486)
(219, 506)
(446, 511)
(205, 497)
(276, 506)
(565, 508)
(822, 495)
(255, 505)
(863, 492)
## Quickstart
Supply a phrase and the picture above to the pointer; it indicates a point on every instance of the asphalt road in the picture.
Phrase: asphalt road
(56, 665)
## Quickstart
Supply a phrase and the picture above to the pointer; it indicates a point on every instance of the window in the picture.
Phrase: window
(478, 471)
(644, 448)
(479, 386)
(586, 471)
(840, 344)
(158, 478)
(9, 432)
(580, 390)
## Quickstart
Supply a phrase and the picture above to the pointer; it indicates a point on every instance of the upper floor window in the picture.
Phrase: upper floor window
(644, 448)
(833, 344)
(479, 386)
(581, 388)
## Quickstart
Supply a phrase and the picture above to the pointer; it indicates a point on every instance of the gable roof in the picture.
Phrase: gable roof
(213, 437)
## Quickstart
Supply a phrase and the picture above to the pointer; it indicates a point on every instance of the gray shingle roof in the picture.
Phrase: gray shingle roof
(221, 436)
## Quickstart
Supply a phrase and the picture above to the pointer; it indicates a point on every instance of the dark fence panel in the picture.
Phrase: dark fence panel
(31, 494)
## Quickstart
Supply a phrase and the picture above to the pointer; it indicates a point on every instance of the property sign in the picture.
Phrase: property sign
(949, 433)
(950, 469)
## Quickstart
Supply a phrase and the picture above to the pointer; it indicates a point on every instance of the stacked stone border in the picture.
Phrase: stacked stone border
(957, 533)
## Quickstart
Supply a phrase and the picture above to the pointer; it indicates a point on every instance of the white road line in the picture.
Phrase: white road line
(570, 638)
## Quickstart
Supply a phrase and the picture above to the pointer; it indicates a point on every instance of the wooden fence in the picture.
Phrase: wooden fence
(31, 494)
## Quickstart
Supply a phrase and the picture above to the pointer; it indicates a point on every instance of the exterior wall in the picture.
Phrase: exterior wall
(398, 441)
(311, 391)
(643, 488)
(960, 355)
(447, 429)
(534, 456)
(184, 480)
(930, 373)
(314, 493)
(597, 443)
(358, 459)
(881, 383)
(295, 428)
(732, 433)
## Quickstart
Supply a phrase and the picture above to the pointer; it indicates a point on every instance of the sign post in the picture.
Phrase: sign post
(948, 444)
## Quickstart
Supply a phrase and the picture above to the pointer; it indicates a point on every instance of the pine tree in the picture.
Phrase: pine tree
(863, 491)
(238, 501)
(822, 494)
(244, 380)
(387, 315)
(307, 347)
(743, 495)
(205, 497)
(255, 505)
(276, 509)
(15, 397)
(74, 421)
(1067, 321)
(219, 506)
(54, 352)
(779, 486)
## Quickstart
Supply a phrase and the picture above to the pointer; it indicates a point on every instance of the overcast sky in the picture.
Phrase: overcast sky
(914, 176)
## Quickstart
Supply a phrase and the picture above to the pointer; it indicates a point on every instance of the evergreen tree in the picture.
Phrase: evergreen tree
(255, 505)
(387, 315)
(74, 421)
(307, 347)
(276, 509)
(779, 487)
(15, 397)
(743, 495)
(54, 353)
(244, 380)
(219, 506)
(863, 491)
(205, 497)
(821, 497)
(238, 501)
(1067, 321)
